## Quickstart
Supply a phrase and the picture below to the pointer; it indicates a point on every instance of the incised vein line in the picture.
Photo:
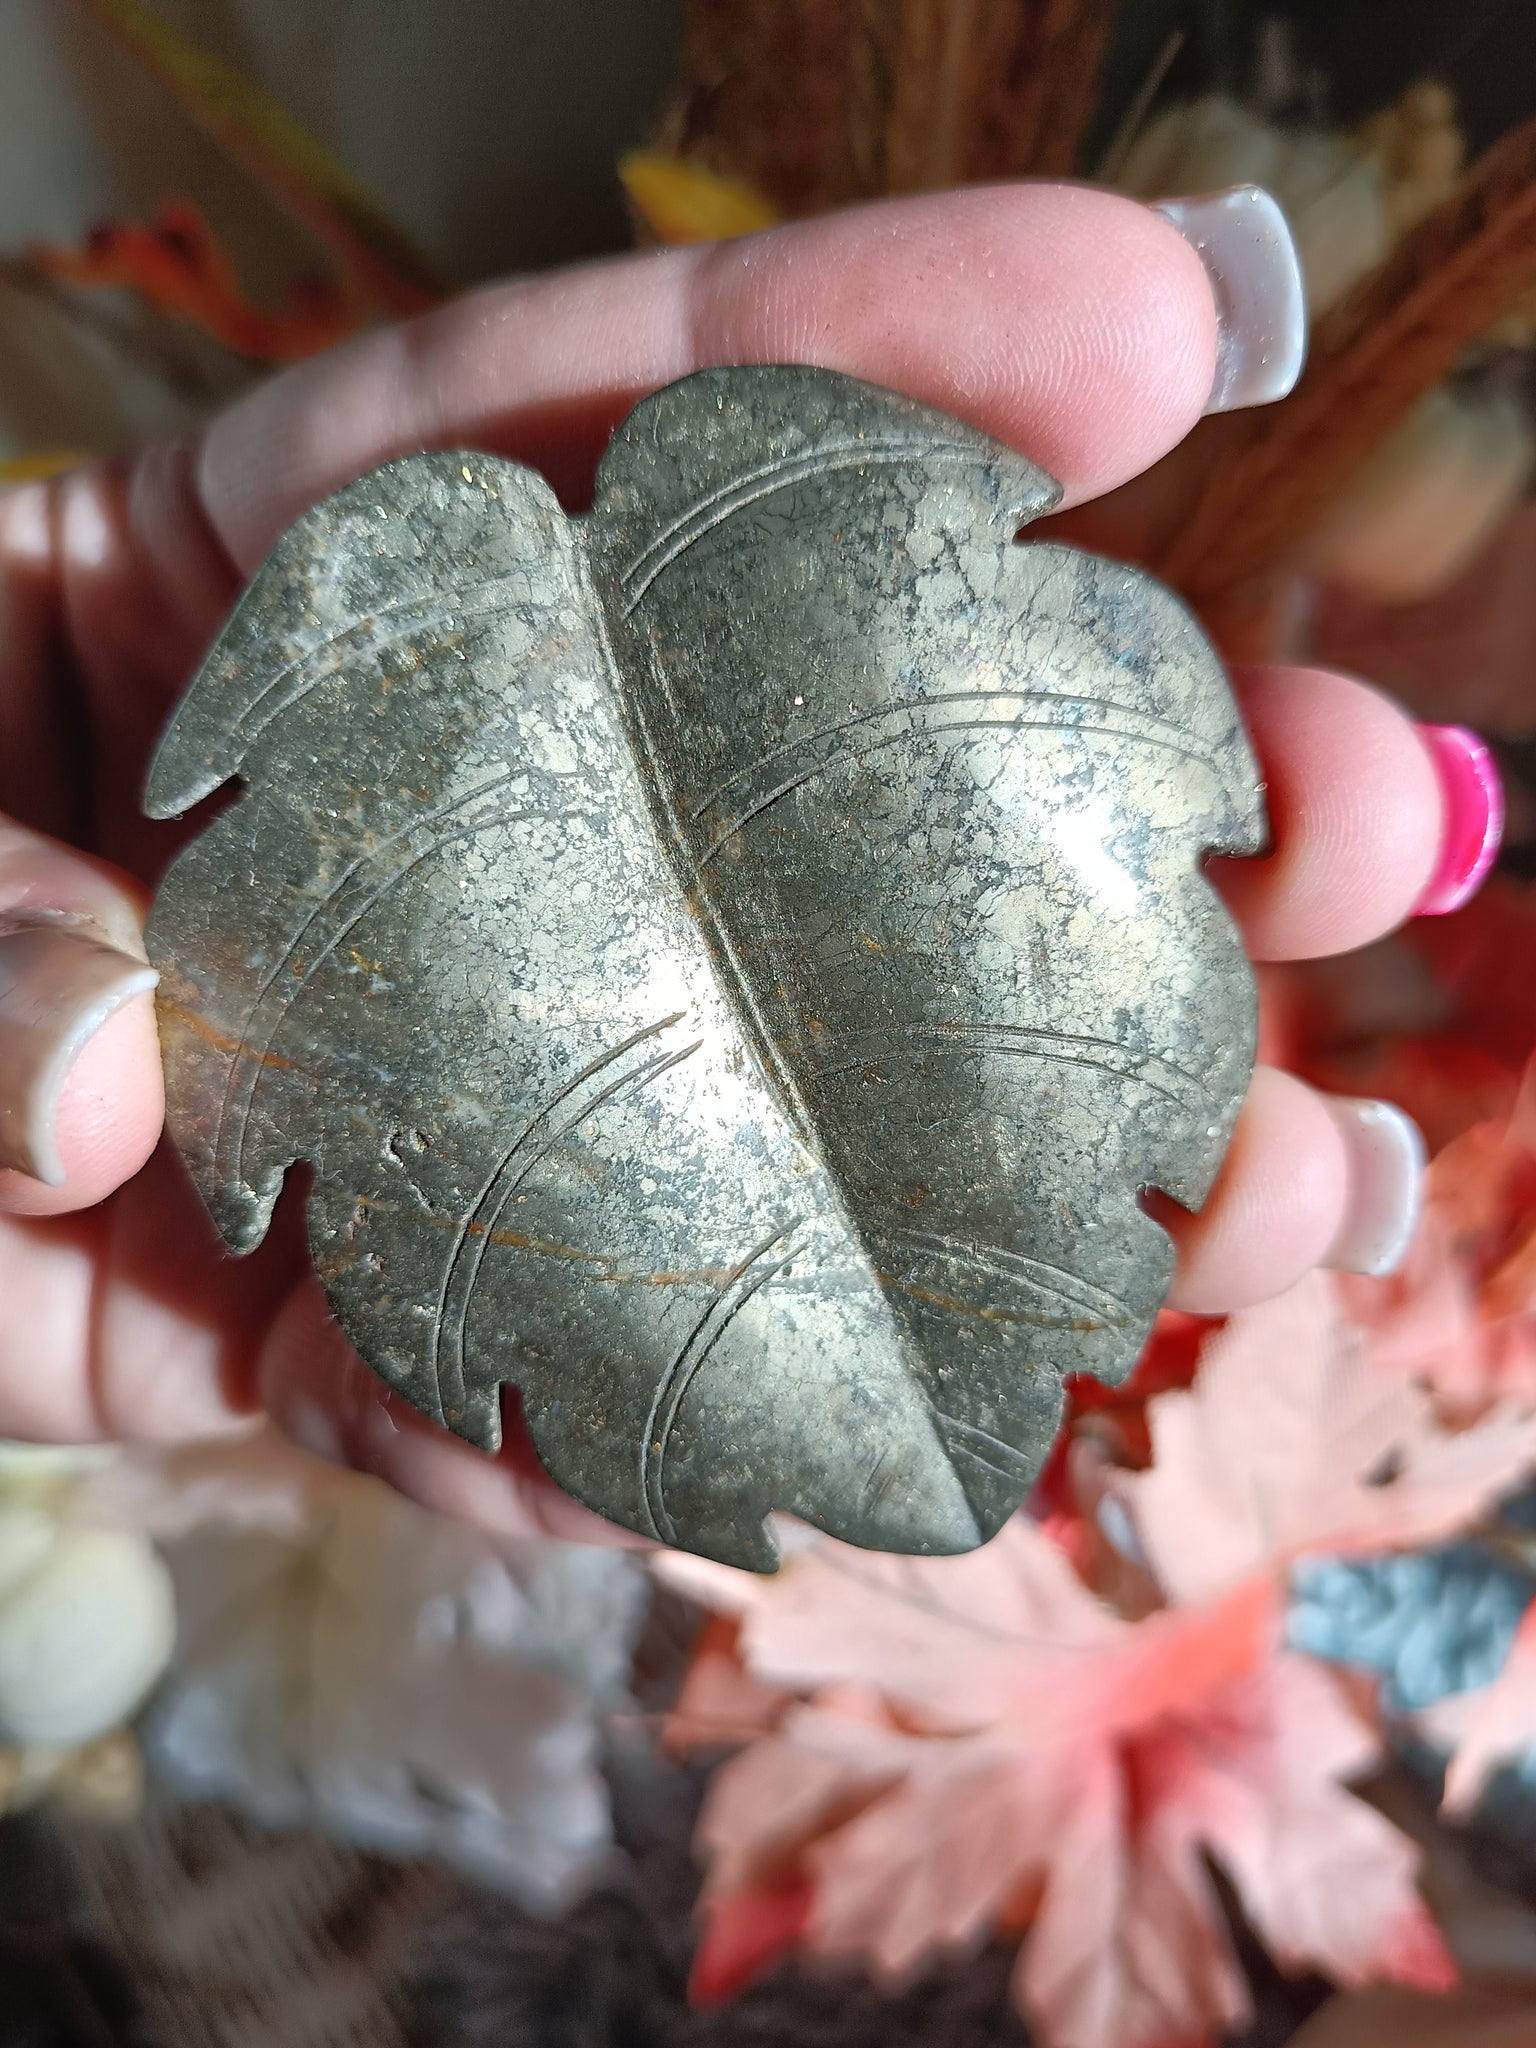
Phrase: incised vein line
(672, 1387)
(1021, 1041)
(724, 502)
(363, 635)
(477, 1227)
(923, 729)
(1000, 1458)
(915, 706)
(1017, 1268)
(257, 1060)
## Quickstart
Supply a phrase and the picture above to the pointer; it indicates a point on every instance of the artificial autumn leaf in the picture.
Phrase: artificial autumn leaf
(1494, 1725)
(941, 1635)
(1484, 1188)
(1440, 1018)
(746, 1933)
(720, 1703)
(381, 267)
(1461, 1314)
(37, 467)
(986, 1746)
(1293, 1440)
(180, 267)
(682, 202)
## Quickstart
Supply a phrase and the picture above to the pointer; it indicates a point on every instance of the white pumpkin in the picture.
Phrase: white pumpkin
(87, 1625)
(1334, 192)
(1430, 498)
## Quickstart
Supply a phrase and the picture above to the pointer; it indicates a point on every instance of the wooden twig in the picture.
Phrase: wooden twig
(1128, 128)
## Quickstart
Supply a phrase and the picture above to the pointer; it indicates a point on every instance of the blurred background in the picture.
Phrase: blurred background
(284, 1761)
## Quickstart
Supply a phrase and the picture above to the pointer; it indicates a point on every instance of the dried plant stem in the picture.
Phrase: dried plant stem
(1393, 339)
(932, 72)
(819, 102)
(771, 92)
(1034, 86)
(1134, 119)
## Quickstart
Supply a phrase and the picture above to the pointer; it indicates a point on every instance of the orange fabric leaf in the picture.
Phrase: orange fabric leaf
(179, 266)
(382, 267)
(37, 467)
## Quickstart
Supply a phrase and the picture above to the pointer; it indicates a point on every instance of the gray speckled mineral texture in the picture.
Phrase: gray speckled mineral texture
(731, 961)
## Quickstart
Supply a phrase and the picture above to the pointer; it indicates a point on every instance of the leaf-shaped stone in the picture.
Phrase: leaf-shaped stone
(731, 961)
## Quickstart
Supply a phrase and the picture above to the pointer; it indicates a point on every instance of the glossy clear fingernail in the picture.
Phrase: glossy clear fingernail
(59, 984)
(1386, 1183)
(1251, 259)
(314, 1430)
(1474, 817)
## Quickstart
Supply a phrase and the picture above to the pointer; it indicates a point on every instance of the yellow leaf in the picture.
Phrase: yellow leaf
(682, 202)
(373, 254)
(34, 468)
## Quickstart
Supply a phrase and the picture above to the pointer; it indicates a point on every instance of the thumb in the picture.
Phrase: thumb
(80, 1088)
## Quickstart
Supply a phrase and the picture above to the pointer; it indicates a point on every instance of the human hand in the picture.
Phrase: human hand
(1081, 328)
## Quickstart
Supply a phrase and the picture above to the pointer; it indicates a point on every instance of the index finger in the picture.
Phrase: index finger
(1080, 327)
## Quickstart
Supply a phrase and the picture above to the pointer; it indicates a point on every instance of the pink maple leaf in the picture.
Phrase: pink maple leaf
(985, 1746)
(1293, 1440)
(1493, 1725)
(1461, 1314)
(720, 1703)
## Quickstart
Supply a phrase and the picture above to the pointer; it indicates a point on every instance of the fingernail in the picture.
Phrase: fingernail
(1250, 257)
(1474, 817)
(1386, 1180)
(313, 1430)
(58, 985)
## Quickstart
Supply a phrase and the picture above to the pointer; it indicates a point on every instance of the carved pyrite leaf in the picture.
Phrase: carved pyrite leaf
(732, 961)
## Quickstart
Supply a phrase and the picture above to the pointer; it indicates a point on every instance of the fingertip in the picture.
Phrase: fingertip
(1075, 324)
(1072, 323)
(1356, 813)
(1277, 1207)
(320, 1393)
(108, 1118)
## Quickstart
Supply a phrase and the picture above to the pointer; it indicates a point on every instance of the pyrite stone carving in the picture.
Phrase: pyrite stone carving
(732, 961)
